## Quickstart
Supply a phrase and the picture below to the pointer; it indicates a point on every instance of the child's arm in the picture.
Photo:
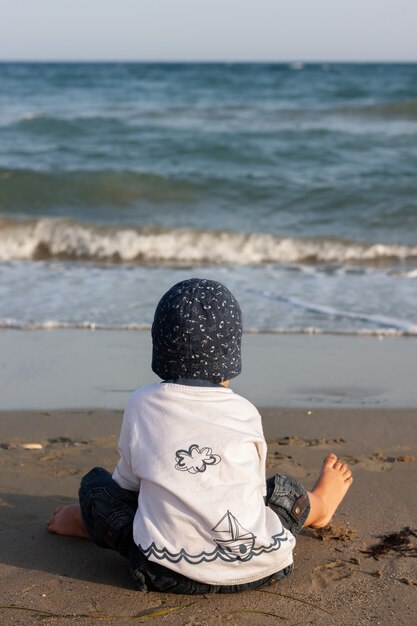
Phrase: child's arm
(261, 448)
(123, 473)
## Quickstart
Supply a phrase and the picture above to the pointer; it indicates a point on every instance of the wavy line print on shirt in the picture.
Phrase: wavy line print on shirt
(195, 460)
(221, 551)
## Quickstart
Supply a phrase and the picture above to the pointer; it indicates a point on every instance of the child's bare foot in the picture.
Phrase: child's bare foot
(333, 482)
(67, 520)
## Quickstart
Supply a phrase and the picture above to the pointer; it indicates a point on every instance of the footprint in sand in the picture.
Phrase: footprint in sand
(377, 462)
(332, 572)
(306, 442)
(284, 462)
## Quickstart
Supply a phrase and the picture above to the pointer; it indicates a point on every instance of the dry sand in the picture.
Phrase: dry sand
(334, 581)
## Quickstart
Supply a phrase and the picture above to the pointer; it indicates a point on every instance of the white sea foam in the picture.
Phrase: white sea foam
(51, 325)
(12, 324)
(56, 238)
(393, 325)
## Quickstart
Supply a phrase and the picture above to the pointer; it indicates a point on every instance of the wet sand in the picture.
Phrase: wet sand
(334, 582)
(69, 369)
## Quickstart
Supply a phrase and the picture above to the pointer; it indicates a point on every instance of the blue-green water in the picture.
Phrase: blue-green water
(294, 185)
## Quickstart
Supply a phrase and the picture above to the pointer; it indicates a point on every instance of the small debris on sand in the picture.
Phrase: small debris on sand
(337, 533)
(400, 542)
(408, 581)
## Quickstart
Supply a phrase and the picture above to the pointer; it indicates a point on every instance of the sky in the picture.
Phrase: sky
(209, 30)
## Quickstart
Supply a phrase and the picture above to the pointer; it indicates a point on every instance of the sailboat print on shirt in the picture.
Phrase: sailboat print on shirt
(235, 541)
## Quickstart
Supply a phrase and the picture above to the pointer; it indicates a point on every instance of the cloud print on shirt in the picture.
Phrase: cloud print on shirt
(195, 460)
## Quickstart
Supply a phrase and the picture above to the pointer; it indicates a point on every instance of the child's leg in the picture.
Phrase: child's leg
(297, 507)
(333, 482)
(67, 520)
(105, 513)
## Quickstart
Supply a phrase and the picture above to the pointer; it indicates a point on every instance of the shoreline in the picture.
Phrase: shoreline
(71, 369)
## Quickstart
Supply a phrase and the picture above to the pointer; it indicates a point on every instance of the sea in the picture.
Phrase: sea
(293, 184)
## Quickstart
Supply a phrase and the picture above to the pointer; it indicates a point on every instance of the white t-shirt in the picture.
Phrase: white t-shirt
(197, 457)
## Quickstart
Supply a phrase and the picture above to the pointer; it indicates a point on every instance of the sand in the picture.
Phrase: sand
(335, 582)
(354, 395)
(67, 369)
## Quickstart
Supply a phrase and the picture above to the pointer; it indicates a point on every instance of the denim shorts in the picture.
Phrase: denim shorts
(108, 512)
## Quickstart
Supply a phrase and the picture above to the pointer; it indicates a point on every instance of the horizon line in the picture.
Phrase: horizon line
(219, 61)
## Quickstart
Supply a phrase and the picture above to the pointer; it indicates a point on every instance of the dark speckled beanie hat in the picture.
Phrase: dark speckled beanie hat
(197, 332)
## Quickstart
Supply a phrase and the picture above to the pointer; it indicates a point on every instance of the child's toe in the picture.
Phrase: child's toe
(330, 460)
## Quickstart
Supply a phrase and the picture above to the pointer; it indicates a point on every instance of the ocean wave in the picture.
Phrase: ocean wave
(48, 238)
(406, 110)
(391, 324)
(125, 121)
(21, 188)
(58, 126)
(12, 324)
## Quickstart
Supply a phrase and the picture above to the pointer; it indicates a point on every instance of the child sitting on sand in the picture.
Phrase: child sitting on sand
(188, 502)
